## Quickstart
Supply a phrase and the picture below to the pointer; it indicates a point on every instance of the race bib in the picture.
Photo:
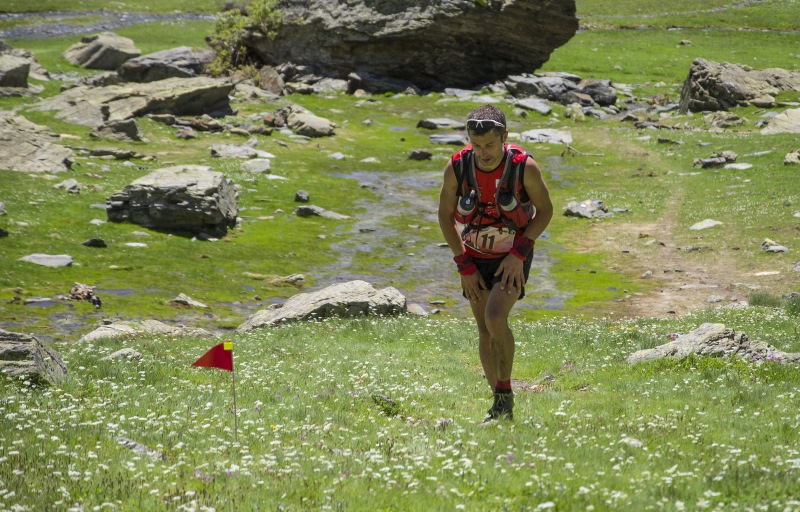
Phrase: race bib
(489, 240)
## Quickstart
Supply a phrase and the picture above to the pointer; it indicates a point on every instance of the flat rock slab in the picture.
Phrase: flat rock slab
(145, 327)
(93, 106)
(350, 299)
(28, 147)
(48, 260)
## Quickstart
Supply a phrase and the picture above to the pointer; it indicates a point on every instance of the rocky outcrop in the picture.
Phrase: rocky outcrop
(720, 86)
(181, 62)
(93, 106)
(433, 45)
(26, 358)
(26, 147)
(106, 50)
(187, 198)
(351, 299)
(715, 340)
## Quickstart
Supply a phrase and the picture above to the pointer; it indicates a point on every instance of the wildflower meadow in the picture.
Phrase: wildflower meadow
(383, 414)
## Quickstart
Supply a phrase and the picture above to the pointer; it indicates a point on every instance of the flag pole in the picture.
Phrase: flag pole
(235, 416)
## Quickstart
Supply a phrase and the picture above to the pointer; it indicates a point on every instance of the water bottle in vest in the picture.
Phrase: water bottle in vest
(466, 208)
(511, 208)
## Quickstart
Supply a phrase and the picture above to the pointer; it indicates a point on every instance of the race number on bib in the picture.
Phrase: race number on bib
(489, 240)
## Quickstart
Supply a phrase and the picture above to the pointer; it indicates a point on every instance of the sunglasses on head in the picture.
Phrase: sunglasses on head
(478, 123)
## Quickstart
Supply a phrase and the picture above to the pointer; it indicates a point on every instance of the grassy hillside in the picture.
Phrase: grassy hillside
(380, 414)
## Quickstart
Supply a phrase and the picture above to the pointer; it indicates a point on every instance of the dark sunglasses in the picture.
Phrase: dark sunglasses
(478, 123)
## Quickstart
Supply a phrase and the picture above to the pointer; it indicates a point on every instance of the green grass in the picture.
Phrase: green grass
(155, 6)
(310, 435)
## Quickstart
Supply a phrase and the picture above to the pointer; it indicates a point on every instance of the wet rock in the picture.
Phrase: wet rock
(106, 50)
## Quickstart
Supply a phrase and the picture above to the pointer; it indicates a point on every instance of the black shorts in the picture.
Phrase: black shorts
(488, 266)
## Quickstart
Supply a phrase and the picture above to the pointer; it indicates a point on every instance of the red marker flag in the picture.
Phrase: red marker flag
(219, 356)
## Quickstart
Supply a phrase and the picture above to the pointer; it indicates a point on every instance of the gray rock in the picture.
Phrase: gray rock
(420, 154)
(124, 353)
(257, 166)
(350, 299)
(26, 358)
(705, 224)
(301, 196)
(535, 105)
(317, 211)
(792, 158)
(455, 139)
(184, 300)
(122, 329)
(588, 209)
(95, 242)
(180, 62)
(552, 87)
(720, 86)
(106, 50)
(238, 151)
(787, 121)
(27, 147)
(189, 198)
(715, 340)
(338, 37)
(3, 210)
(14, 71)
(122, 130)
(437, 123)
(547, 136)
(93, 106)
(48, 260)
(71, 185)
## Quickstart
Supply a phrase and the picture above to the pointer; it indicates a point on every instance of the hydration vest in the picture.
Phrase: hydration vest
(513, 204)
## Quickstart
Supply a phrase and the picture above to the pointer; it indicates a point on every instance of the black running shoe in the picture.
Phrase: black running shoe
(502, 408)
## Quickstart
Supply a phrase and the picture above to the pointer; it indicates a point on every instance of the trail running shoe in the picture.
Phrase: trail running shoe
(502, 408)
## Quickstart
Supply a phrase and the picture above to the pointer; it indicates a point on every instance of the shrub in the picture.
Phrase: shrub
(230, 29)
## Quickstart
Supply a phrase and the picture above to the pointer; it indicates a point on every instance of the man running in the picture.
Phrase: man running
(493, 205)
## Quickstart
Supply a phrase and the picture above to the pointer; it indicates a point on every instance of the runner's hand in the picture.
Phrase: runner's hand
(472, 286)
(511, 270)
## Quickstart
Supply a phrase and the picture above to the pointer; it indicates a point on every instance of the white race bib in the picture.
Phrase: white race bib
(488, 240)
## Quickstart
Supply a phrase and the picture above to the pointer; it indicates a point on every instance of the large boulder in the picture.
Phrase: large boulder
(787, 121)
(93, 106)
(14, 71)
(26, 358)
(185, 198)
(27, 147)
(106, 50)
(720, 86)
(452, 43)
(350, 299)
(715, 340)
(181, 62)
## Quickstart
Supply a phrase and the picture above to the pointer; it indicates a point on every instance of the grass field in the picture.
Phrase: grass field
(381, 414)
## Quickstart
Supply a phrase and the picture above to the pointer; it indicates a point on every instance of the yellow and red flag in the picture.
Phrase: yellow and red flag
(219, 356)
